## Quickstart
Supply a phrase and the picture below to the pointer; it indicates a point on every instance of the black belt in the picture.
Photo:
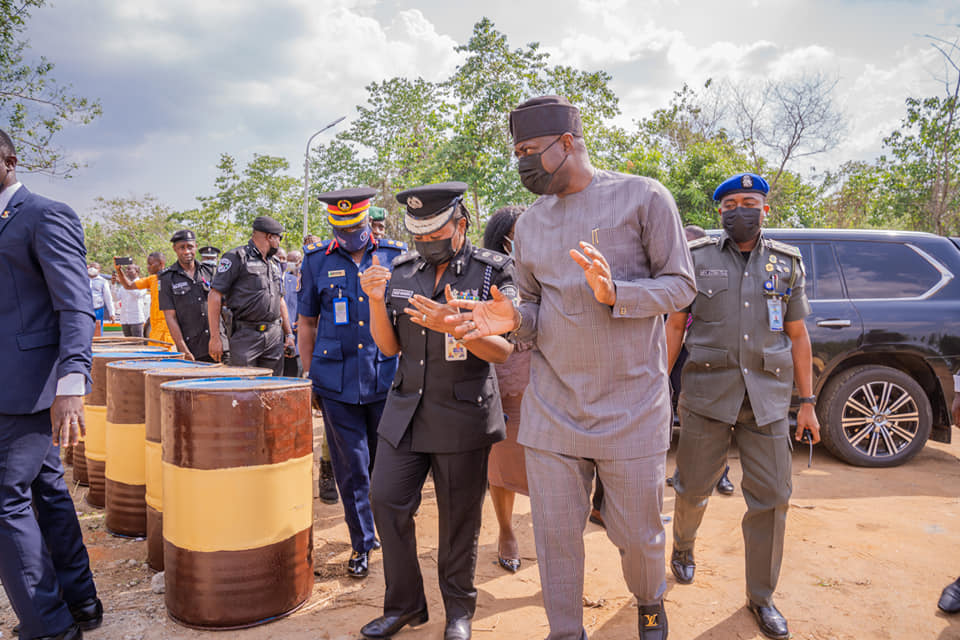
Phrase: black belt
(257, 326)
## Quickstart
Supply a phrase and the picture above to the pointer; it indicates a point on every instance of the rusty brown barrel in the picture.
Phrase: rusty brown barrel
(66, 455)
(130, 341)
(237, 499)
(80, 458)
(95, 442)
(152, 381)
(125, 470)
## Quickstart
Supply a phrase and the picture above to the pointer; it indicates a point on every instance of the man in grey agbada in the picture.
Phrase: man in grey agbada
(600, 258)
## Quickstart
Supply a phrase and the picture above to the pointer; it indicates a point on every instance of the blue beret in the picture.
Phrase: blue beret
(742, 183)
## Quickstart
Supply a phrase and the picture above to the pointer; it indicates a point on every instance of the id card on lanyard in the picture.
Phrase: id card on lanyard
(775, 313)
(341, 311)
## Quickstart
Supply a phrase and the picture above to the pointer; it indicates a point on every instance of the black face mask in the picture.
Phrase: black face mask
(741, 224)
(435, 251)
(532, 174)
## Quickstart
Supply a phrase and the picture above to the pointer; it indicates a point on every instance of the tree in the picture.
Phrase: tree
(33, 106)
(134, 226)
(784, 120)
(925, 162)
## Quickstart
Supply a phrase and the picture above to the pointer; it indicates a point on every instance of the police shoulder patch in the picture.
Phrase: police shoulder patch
(493, 258)
(783, 247)
(403, 258)
(705, 241)
(225, 264)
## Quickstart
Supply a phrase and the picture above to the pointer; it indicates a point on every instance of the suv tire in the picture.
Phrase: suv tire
(887, 413)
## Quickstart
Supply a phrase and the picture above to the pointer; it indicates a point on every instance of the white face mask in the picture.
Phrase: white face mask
(93, 272)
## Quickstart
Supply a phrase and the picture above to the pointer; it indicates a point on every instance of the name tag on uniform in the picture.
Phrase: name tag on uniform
(775, 314)
(455, 350)
(341, 312)
(401, 293)
(339, 273)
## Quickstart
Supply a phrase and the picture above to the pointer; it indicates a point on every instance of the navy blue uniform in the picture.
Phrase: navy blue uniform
(350, 376)
(47, 335)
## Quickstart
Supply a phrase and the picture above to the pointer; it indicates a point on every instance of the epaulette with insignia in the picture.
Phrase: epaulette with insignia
(703, 242)
(165, 270)
(392, 244)
(783, 247)
(493, 258)
(403, 258)
(315, 246)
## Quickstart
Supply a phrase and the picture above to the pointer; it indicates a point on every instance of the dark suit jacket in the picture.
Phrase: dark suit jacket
(46, 317)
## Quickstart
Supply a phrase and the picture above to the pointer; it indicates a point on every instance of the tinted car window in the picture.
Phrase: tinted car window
(884, 270)
(829, 283)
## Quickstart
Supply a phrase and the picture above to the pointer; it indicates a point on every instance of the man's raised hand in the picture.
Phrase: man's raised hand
(492, 317)
(374, 280)
(597, 271)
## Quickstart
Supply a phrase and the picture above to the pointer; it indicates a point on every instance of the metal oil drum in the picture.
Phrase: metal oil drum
(95, 410)
(153, 378)
(125, 470)
(237, 499)
(130, 341)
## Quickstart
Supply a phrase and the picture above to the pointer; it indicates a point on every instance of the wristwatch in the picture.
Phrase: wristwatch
(808, 400)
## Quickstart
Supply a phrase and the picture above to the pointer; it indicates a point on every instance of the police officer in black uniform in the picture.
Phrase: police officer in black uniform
(183, 290)
(250, 281)
(443, 411)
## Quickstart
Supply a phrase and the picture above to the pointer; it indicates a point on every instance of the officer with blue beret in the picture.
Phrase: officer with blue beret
(350, 375)
(45, 346)
(748, 345)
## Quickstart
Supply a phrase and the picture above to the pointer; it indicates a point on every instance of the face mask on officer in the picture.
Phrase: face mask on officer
(354, 238)
(436, 252)
(93, 272)
(742, 224)
(532, 174)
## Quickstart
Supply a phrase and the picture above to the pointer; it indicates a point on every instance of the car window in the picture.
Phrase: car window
(828, 280)
(884, 270)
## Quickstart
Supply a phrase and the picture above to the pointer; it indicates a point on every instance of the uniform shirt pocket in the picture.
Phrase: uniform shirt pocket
(710, 304)
(326, 368)
(706, 357)
(779, 362)
(622, 250)
(477, 391)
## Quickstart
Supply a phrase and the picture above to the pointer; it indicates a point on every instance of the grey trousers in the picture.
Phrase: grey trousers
(560, 503)
(766, 461)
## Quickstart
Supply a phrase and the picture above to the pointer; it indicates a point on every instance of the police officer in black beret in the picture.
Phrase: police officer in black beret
(443, 410)
(183, 290)
(251, 282)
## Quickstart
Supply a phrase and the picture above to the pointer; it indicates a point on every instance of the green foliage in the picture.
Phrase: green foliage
(33, 106)
(134, 227)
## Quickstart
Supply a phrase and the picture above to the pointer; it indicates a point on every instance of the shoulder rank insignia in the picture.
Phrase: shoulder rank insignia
(403, 258)
(393, 244)
(493, 258)
(783, 247)
(702, 242)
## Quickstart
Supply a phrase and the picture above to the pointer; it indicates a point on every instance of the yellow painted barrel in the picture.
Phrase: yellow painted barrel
(95, 442)
(154, 497)
(125, 470)
(237, 499)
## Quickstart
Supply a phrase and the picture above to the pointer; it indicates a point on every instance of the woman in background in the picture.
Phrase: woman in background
(506, 469)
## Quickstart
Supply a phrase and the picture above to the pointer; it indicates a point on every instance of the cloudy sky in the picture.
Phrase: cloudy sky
(182, 81)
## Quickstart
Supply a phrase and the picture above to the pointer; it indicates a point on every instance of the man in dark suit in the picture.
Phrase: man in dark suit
(45, 345)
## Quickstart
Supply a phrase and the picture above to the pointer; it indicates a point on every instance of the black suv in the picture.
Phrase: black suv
(885, 329)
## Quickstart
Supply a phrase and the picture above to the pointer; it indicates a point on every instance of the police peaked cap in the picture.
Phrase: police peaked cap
(545, 116)
(184, 235)
(742, 183)
(266, 224)
(347, 207)
(209, 251)
(431, 206)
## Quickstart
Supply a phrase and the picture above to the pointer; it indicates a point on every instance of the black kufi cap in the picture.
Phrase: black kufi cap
(545, 116)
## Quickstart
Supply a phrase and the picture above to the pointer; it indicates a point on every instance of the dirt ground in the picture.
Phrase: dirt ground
(867, 554)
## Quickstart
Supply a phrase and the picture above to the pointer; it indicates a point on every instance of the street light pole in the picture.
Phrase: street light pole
(306, 173)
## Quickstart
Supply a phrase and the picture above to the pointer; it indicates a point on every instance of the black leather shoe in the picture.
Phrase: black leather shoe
(358, 565)
(950, 598)
(88, 615)
(73, 633)
(386, 626)
(653, 622)
(328, 485)
(596, 518)
(724, 485)
(682, 565)
(771, 622)
(457, 630)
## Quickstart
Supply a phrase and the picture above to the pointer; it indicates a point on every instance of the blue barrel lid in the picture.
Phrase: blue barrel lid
(155, 363)
(259, 383)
